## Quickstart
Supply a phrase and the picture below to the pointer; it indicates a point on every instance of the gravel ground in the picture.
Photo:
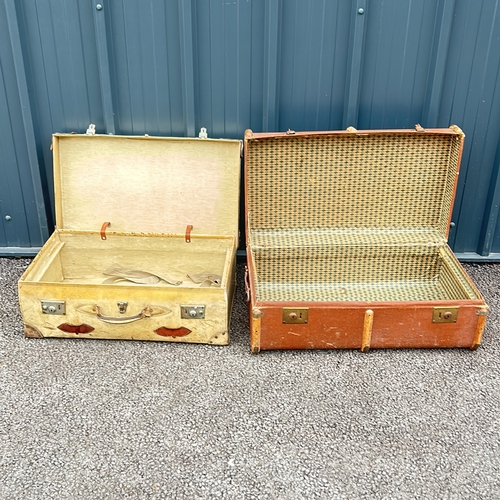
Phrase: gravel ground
(90, 419)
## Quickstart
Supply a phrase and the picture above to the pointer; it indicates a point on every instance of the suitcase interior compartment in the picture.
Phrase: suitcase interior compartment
(347, 273)
(353, 216)
(82, 258)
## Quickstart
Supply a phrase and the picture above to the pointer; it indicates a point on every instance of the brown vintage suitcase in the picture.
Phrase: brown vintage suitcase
(347, 241)
(145, 242)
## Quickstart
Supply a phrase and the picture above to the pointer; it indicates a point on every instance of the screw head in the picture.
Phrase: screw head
(98, 6)
(8, 217)
(361, 11)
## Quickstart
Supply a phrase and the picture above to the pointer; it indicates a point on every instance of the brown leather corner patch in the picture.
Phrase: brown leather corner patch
(66, 327)
(163, 331)
(32, 333)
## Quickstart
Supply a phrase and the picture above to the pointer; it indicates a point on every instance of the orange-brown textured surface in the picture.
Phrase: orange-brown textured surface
(341, 326)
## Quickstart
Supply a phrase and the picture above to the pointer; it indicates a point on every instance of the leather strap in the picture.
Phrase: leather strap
(189, 228)
(103, 230)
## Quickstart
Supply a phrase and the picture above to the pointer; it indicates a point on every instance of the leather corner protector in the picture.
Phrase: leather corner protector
(248, 134)
(31, 332)
(220, 338)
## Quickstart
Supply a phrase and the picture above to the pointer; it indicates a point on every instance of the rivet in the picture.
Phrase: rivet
(361, 11)
(98, 6)
(8, 217)
(452, 224)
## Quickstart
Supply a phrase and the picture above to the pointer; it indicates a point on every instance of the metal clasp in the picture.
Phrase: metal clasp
(122, 307)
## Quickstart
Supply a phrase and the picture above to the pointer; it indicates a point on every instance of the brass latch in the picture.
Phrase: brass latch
(445, 314)
(295, 315)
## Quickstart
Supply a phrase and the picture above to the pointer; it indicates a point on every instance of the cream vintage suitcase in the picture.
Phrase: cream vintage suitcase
(347, 241)
(145, 241)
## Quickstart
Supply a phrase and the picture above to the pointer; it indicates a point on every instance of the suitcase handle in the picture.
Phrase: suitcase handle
(247, 284)
(147, 312)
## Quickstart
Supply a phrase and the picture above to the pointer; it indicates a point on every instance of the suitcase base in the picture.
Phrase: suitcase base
(63, 293)
(355, 297)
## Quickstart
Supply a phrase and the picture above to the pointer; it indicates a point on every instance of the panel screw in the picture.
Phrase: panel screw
(361, 11)
(8, 217)
(98, 6)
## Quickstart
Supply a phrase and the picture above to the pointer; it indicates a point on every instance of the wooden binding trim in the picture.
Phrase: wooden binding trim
(189, 228)
(103, 230)
(255, 327)
(367, 331)
(481, 322)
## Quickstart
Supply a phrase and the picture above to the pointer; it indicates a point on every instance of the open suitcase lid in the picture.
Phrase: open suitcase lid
(392, 184)
(143, 184)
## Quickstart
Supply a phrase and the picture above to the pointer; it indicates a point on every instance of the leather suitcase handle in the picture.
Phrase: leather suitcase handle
(247, 284)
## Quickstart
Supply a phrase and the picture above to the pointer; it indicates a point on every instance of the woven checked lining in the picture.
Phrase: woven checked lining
(372, 181)
(352, 273)
(359, 218)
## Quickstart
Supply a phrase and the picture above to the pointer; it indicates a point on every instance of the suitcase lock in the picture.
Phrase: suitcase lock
(295, 315)
(192, 312)
(53, 307)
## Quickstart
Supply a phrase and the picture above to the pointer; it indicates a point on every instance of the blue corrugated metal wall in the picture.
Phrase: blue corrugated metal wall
(169, 67)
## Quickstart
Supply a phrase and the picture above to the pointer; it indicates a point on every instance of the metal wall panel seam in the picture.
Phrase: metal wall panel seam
(187, 65)
(441, 43)
(272, 34)
(27, 120)
(483, 85)
(103, 61)
(491, 212)
(355, 63)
